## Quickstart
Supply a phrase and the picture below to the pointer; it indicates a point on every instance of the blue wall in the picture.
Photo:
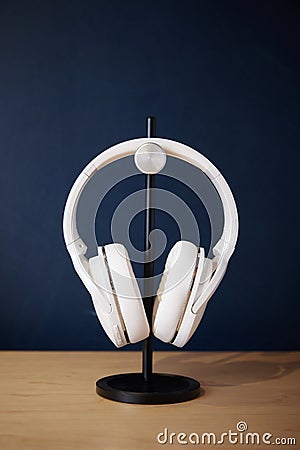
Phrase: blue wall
(79, 76)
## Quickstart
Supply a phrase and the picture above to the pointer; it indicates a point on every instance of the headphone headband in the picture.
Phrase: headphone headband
(224, 247)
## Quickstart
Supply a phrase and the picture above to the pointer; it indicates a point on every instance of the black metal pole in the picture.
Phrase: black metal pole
(151, 127)
(149, 263)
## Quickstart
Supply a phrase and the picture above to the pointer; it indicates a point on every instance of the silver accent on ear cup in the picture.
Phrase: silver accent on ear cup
(188, 297)
(115, 296)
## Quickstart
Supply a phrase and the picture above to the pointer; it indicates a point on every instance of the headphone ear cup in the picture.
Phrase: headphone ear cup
(123, 290)
(191, 320)
(174, 288)
(205, 276)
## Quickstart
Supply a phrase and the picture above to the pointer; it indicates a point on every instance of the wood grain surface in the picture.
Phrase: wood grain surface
(48, 400)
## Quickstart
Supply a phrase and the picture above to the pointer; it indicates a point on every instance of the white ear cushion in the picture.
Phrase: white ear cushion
(173, 290)
(205, 276)
(190, 320)
(97, 269)
(127, 292)
(110, 321)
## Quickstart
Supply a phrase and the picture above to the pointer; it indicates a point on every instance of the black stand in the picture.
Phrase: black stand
(148, 387)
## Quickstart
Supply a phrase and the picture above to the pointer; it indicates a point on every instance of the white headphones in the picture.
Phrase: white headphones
(189, 279)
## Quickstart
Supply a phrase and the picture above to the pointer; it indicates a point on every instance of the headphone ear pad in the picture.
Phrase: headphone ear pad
(191, 320)
(125, 291)
(174, 288)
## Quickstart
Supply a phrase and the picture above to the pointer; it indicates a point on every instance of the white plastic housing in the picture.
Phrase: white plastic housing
(105, 308)
(173, 291)
(116, 279)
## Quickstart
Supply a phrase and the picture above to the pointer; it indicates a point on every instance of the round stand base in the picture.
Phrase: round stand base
(163, 388)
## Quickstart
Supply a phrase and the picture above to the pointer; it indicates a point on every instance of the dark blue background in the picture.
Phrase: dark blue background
(79, 76)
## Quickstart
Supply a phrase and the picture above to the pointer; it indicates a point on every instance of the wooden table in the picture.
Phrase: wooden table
(48, 400)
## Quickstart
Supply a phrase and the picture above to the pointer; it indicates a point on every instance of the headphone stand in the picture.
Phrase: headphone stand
(148, 387)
